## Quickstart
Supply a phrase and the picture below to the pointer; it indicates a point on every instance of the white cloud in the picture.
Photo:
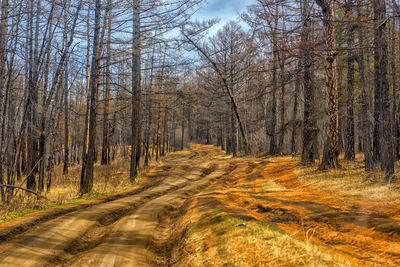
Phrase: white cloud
(224, 10)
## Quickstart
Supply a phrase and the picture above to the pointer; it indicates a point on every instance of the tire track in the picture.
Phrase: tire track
(129, 242)
(14, 228)
(58, 240)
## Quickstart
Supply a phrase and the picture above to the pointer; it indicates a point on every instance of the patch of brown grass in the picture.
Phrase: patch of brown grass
(218, 239)
(65, 188)
(107, 179)
(351, 180)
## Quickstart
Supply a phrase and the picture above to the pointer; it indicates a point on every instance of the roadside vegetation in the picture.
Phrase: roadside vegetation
(109, 179)
(352, 179)
(276, 211)
(216, 238)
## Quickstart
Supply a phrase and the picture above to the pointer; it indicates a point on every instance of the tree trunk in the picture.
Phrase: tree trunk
(330, 156)
(158, 133)
(86, 125)
(233, 134)
(87, 182)
(66, 123)
(350, 152)
(394, 88)
(105, 157)
(136, 92)
(33, 102)
(309, 129)
(272, 125)
(165, 133)
(341, 110)
(295, 109)
(365, 123)
(183, 127)
(3, 60)
(382, 86)
(282, 110)
(397, 121)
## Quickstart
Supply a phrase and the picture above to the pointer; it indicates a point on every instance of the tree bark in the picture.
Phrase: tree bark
(309, 129)
(365, 123)
(330, 156)
(382, 86)
(85, 136)
(66, 105)
(3, 60)
(136, 93)
(295, 110)
(394, 118)
(87, 182)
(275, 58)
(350, 152)
(282, 107)
(183, 126)
(31, 113)
(105, 151)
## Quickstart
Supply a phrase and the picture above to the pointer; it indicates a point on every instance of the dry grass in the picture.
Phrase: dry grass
(107, 179)
(351, 180)
(217, 239)
(65, 188)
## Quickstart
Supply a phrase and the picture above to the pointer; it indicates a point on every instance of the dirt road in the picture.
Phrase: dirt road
(144, 226)
(117, 232)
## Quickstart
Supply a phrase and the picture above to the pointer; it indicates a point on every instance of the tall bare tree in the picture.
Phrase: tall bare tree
(382, 88)
(87, 181)
(350, 152)
(309, 129)
(136, 92)
(330, 155)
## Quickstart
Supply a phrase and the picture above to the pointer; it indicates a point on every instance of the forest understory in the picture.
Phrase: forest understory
(201, 207)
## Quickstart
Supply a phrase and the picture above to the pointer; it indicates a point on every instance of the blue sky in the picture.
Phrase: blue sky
(225, 10)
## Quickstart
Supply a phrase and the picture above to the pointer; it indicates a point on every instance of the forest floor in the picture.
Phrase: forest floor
(203, 208)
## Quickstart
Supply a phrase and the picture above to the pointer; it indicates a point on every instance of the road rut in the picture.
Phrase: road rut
(115, 233)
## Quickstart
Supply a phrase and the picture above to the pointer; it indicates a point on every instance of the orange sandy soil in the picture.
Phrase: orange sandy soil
(364, 232)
